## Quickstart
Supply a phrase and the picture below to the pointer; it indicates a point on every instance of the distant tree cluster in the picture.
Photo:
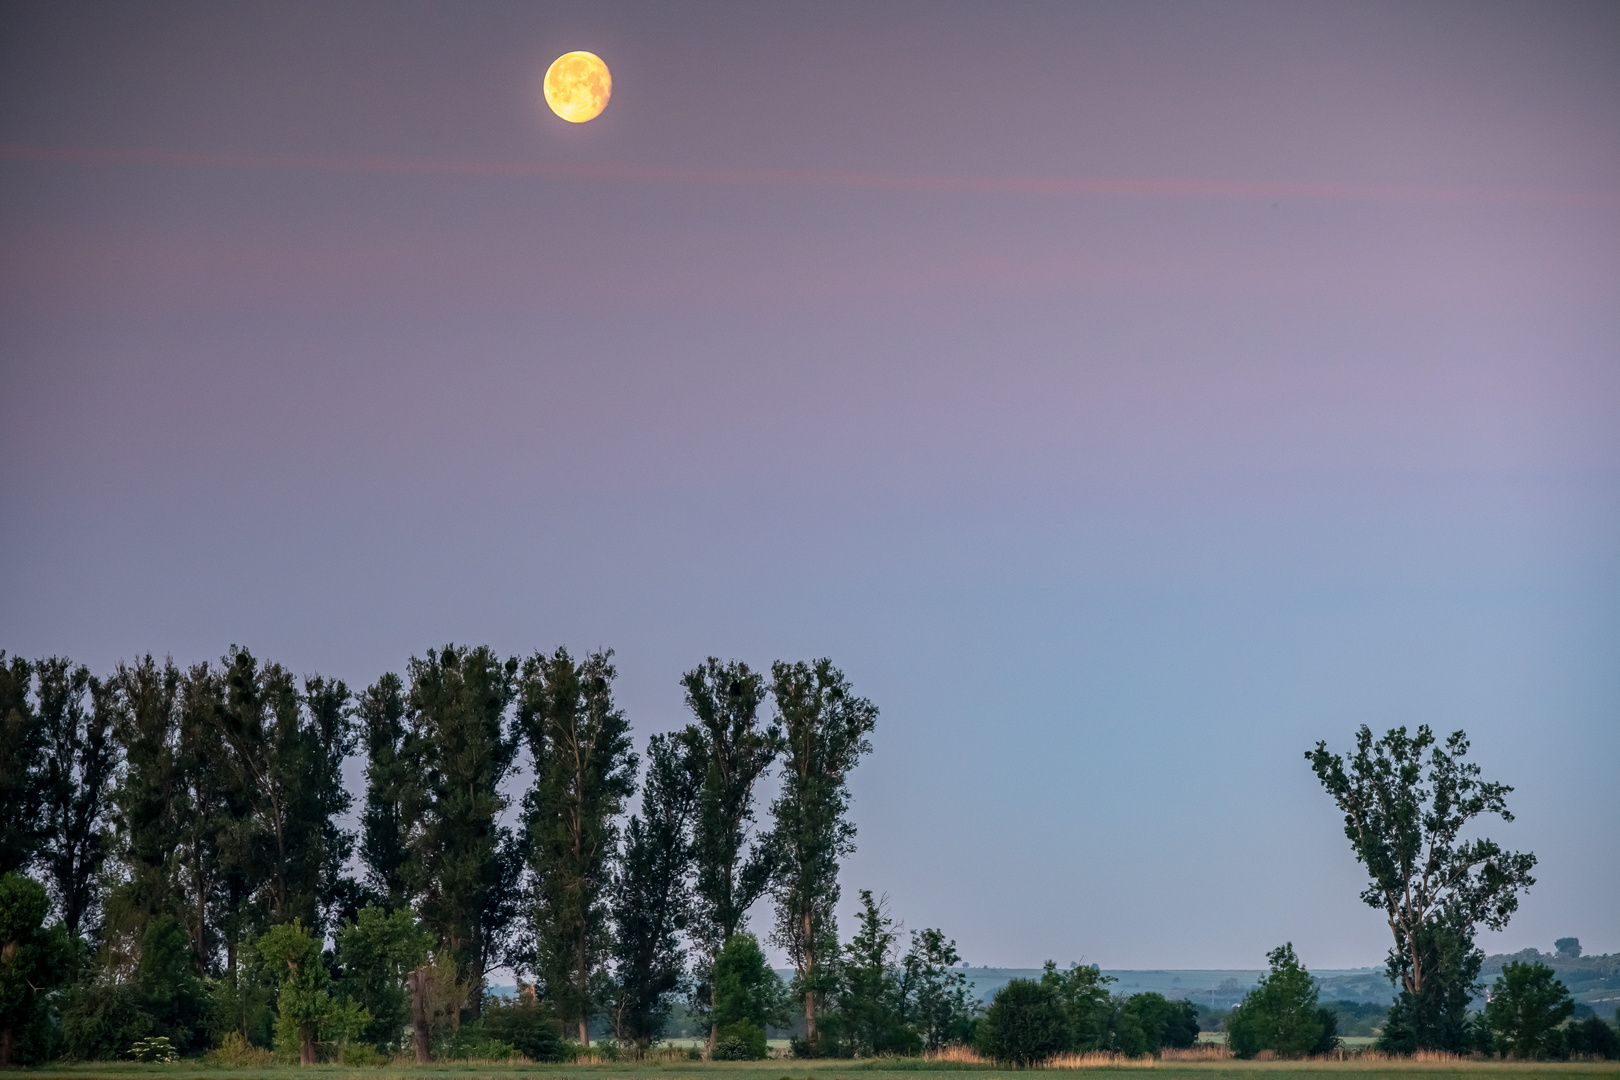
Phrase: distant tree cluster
(175, 877)
(1030, 1021)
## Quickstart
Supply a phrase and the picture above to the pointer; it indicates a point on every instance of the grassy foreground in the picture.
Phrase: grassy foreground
(897, 1069)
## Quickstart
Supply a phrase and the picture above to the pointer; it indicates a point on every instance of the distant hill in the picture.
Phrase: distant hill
(1216, 988)
(1593, 981)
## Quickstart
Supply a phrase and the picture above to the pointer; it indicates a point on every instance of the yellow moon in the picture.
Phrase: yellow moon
(577, 86)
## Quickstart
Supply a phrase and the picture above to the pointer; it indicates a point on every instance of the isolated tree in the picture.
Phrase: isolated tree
(584, 772)
(1568, 948)
(75, 715)
(1406, 800)
(825, 730)
(393, 783)
(1527, 1003)
(34, 959)
(22, 765)
(303, 989)
(935, 994)
(749, 997)
(463, 864)
(651, 898)
(1025, 1024)
(1282, 1013)
(733, 751)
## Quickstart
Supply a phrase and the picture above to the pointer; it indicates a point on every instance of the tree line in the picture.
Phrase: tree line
(184, 829)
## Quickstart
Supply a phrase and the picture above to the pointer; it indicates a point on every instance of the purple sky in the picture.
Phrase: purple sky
(1125, 396)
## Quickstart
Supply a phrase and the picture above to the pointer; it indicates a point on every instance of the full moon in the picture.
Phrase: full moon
(577, 86)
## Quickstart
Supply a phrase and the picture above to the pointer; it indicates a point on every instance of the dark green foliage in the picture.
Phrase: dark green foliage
(1436, 1016)
(1155, 1023)
(748, 995)
(1089, 1021)
(729, 747)
(244, 999)
(1025, 1024)
(650, 896)
(1526, 1006)
(871, 1003)
(375, 953)
(525, 1024)
(22, 765)
(161, 996)
(78, 777)
(1593, 1038)
(393, 782)
(825, 732)
(1359, 1018)
(1281, 1014)
(463, 865)
(288, 748)
(145, 723)
(1406, 800)
(1568, 948)
(34, 960)
(938, 1001)
(584, 772)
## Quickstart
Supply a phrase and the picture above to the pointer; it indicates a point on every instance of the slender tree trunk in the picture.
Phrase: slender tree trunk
(5, 1048)
(419, 1019)
(307, 1055)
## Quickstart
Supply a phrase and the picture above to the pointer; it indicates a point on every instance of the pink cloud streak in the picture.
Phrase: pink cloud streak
(1125, 187)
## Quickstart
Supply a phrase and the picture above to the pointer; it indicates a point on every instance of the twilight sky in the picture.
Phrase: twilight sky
(1125, 396)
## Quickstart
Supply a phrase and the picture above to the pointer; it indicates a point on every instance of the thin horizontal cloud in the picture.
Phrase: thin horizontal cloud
(1099, 187)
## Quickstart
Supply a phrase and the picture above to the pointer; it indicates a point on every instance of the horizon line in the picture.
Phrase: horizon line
(1118, 187)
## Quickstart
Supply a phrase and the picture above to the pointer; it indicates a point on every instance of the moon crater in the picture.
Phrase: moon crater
(577, 86)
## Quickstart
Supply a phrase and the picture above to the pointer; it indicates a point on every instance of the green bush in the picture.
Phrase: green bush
(741, 1041)
(1281, 1013)
(362, 1054)
(1593, 1038)
(1025, 1024)
(1527, 1004)
(526, 1024)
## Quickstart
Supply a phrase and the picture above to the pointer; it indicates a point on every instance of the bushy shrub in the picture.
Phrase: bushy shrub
(362, 1055)
(525, 1023)
(1025, 1024)
(741, 1041)
(1593, 1038)
(234, 1051)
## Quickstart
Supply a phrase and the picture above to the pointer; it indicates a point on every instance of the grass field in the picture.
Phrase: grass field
(879, 1069)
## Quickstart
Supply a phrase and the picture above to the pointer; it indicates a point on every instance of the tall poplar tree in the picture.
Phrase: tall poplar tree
(22, 762)
(393, 783)
(651, 898)
(584, 772)
(289, 747)
(463, 864)
(145, 724)
(825, 730)
(728, 744)
(80, 759)
(1407, 801)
